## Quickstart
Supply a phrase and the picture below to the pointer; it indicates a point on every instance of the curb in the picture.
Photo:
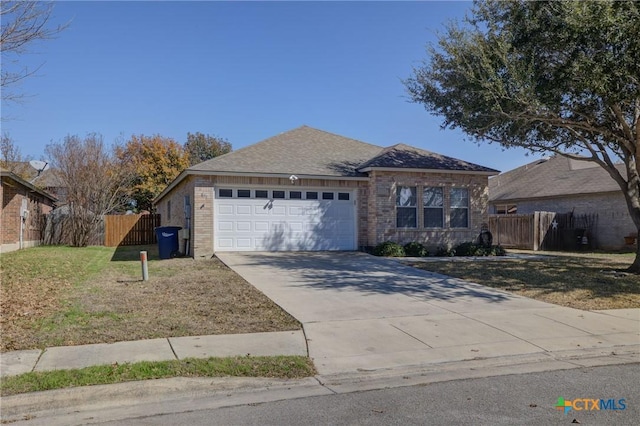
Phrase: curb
(126, 400)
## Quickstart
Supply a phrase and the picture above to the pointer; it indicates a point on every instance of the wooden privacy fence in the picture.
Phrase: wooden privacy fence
(512, 231)
(130, 229)
(544, 230)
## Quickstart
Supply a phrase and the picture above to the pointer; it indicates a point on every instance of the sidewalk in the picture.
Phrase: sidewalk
(68, 357)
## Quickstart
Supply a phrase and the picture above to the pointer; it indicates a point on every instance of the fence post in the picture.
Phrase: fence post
(145, 269)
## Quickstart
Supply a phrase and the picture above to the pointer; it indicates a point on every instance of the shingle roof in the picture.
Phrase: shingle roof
(303, 151)
(6, 173)
(408, 157)
(48, 179)
(553, 177)
(309, 151)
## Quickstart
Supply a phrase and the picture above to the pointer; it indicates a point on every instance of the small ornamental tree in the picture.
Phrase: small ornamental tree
(556, 77)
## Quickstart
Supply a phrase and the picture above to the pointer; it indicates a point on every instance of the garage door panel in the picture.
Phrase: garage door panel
(225, 226)
(225, 209)
(243, 243)
(243, 226)
(296, 226)
(261, 226)
(243, 210)
(279, 210)
(225, 243)
(261, 210)
(284, 224)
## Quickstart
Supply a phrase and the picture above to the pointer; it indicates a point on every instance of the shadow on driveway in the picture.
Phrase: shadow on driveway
(370, 275)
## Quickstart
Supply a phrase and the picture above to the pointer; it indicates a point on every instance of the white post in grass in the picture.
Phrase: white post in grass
(145, 269)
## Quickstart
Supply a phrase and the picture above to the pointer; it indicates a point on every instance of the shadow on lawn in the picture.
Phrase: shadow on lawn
(132, 253)
(372, 275)
(560, 275)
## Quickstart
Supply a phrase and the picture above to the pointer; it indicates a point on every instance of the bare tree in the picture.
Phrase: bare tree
(9, 153)
(23, 24)
(97, 183)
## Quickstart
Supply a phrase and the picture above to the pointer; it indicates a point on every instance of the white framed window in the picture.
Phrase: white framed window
(433, 206)
(459, 211)
(406, 208)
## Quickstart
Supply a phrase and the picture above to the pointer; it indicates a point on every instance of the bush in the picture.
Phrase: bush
(471, 249)
(389, 249)
(415, 249)
(445, 252)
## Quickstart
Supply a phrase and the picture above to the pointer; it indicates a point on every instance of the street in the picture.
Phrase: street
(504, 400)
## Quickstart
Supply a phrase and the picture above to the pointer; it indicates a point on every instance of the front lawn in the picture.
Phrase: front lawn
(58, 296)
(588, 281)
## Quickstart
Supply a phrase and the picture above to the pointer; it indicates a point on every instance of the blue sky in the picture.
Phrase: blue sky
(244, 71)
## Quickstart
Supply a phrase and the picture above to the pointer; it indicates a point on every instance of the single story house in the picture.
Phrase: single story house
(307, 189)
(562, 185)
(22, 212)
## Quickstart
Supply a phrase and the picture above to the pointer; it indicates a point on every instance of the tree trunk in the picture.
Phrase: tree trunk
(635, 266)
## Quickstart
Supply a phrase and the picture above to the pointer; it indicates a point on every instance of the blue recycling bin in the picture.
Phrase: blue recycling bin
(167, 237)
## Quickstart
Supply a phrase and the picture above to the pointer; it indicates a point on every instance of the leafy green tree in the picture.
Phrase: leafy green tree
(554, 77)
(156, 161)
(201, 147)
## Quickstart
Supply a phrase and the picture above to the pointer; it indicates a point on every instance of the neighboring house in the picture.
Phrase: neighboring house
(48, 180)
(308, 189)
(22, 212)
(563, 185)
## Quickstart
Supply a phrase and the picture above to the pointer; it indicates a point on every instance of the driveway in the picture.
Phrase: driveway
(362, 313)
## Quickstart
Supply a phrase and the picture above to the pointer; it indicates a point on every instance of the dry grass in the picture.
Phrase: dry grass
(96, 295)
(587, 281)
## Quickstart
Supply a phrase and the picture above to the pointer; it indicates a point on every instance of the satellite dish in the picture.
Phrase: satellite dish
(40, 166)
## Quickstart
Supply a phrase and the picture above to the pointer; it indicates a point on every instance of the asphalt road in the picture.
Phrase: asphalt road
(526, 399)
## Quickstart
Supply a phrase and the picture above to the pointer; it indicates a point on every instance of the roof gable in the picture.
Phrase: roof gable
(10, 175)
(552, 177)
(407, 157)
(302, 151)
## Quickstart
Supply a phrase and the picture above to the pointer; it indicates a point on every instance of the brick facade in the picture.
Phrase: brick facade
(12, 193)
(375, 206)
(382, 208)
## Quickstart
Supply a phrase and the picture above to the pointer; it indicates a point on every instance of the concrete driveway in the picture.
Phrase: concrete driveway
(364, 313)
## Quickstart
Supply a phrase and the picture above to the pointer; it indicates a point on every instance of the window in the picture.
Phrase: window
(312, 195)
(507, 209)
(459, 208)
(406, 210)
(295, 195)
(344, 196)
(262, 193)
(225, 193)
(327, 195)
(433, 205)
(278, 194)
(244, 193)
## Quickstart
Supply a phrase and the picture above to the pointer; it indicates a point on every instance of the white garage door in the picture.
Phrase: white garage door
(248, 219)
